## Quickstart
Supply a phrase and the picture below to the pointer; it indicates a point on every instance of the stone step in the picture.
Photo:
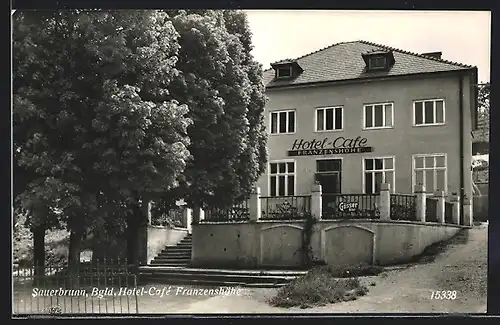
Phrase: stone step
(204, 271)
(181, 247)
(174, 265)
(176, 261)
(186, 253)
(237, 278)
(203, 282)
(174, 257)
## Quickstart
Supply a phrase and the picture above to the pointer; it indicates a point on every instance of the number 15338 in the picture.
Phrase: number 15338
(444, 295)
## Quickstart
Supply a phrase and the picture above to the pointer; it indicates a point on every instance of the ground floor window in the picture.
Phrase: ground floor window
(282, 178)
(378, 171)
(430, 170)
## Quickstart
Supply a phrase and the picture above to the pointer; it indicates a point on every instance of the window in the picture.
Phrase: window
(428, 112)
(329, 119)
(378, 115)
(284, 72)
(378, 171)
(430, 171)
(328, 165)
(282, 178)
(282, 122)
(377, 62)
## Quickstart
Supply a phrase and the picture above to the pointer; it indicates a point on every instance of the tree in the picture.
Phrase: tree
(94, 114)
(254, 160)
(484, 111)
(222, 86)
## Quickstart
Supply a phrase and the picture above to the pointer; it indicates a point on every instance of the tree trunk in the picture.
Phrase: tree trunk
(39, 252)
(75, 247)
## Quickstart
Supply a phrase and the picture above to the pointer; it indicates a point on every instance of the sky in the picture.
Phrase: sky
(461, 36)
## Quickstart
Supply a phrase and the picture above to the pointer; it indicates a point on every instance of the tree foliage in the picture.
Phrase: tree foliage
(221, 83)
(483, 133)
(113, 109)
(93, 117)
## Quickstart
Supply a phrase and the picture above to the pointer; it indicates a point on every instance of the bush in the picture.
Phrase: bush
(318, 287)
(339, 271)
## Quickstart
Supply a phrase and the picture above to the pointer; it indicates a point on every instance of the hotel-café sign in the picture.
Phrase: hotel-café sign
(337, 146)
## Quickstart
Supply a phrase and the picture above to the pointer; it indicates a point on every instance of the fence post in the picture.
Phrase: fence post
(467, 211)
(420, 193)
(385, 201)
(455, 200)
(440, 210)
(316, 201)
(254, 204)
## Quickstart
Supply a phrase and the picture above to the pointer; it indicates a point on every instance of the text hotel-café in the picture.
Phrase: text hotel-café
(357, 114)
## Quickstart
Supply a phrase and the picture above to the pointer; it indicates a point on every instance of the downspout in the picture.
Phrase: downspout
(462, 163)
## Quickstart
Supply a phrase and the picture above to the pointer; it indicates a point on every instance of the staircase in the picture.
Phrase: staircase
(171, 266)
(175, 256)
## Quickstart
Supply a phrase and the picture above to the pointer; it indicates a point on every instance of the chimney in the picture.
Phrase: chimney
(436, 55)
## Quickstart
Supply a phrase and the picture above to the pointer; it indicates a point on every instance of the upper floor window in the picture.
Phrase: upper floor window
(428, 112)
(328, 118)
(379, 115)
(284, 71)
(377, 62)
(282, 122)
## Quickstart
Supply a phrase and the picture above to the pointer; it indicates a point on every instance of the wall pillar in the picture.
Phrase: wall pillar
(187, 218)
(195, 214)
(421, 203)
(385, 201)
(468, 212)
(455, 200)
(439, 195)
(254, 204)
(316, 201)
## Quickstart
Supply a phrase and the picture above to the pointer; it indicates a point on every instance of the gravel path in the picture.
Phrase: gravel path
(461, 268)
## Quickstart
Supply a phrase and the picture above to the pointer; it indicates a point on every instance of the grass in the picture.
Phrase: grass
(325, 285)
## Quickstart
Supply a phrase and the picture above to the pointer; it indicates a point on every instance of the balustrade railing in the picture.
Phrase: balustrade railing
(403, 207)
(350, 206)
(285, 207)
(431, 209)
(448, 212)
(238, 212)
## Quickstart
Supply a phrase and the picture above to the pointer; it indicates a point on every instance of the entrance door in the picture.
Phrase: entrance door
(330, 182)
(329, 176)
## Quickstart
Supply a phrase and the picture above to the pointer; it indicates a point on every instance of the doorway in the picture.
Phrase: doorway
(329, 175)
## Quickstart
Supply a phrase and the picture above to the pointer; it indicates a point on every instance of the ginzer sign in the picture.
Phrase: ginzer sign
(336, 146)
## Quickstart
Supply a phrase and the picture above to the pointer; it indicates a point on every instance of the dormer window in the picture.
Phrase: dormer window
(378, 60)
(286, 69)
(284, 72)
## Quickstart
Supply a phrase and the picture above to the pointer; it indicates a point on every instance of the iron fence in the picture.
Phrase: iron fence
(350, 206)
(107, 286)
(285, 207)
(238, 212)
(403, 207)
(174, 217)
(431, 209)
(448, 212)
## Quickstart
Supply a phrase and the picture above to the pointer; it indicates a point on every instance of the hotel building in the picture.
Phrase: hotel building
(357, 114)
